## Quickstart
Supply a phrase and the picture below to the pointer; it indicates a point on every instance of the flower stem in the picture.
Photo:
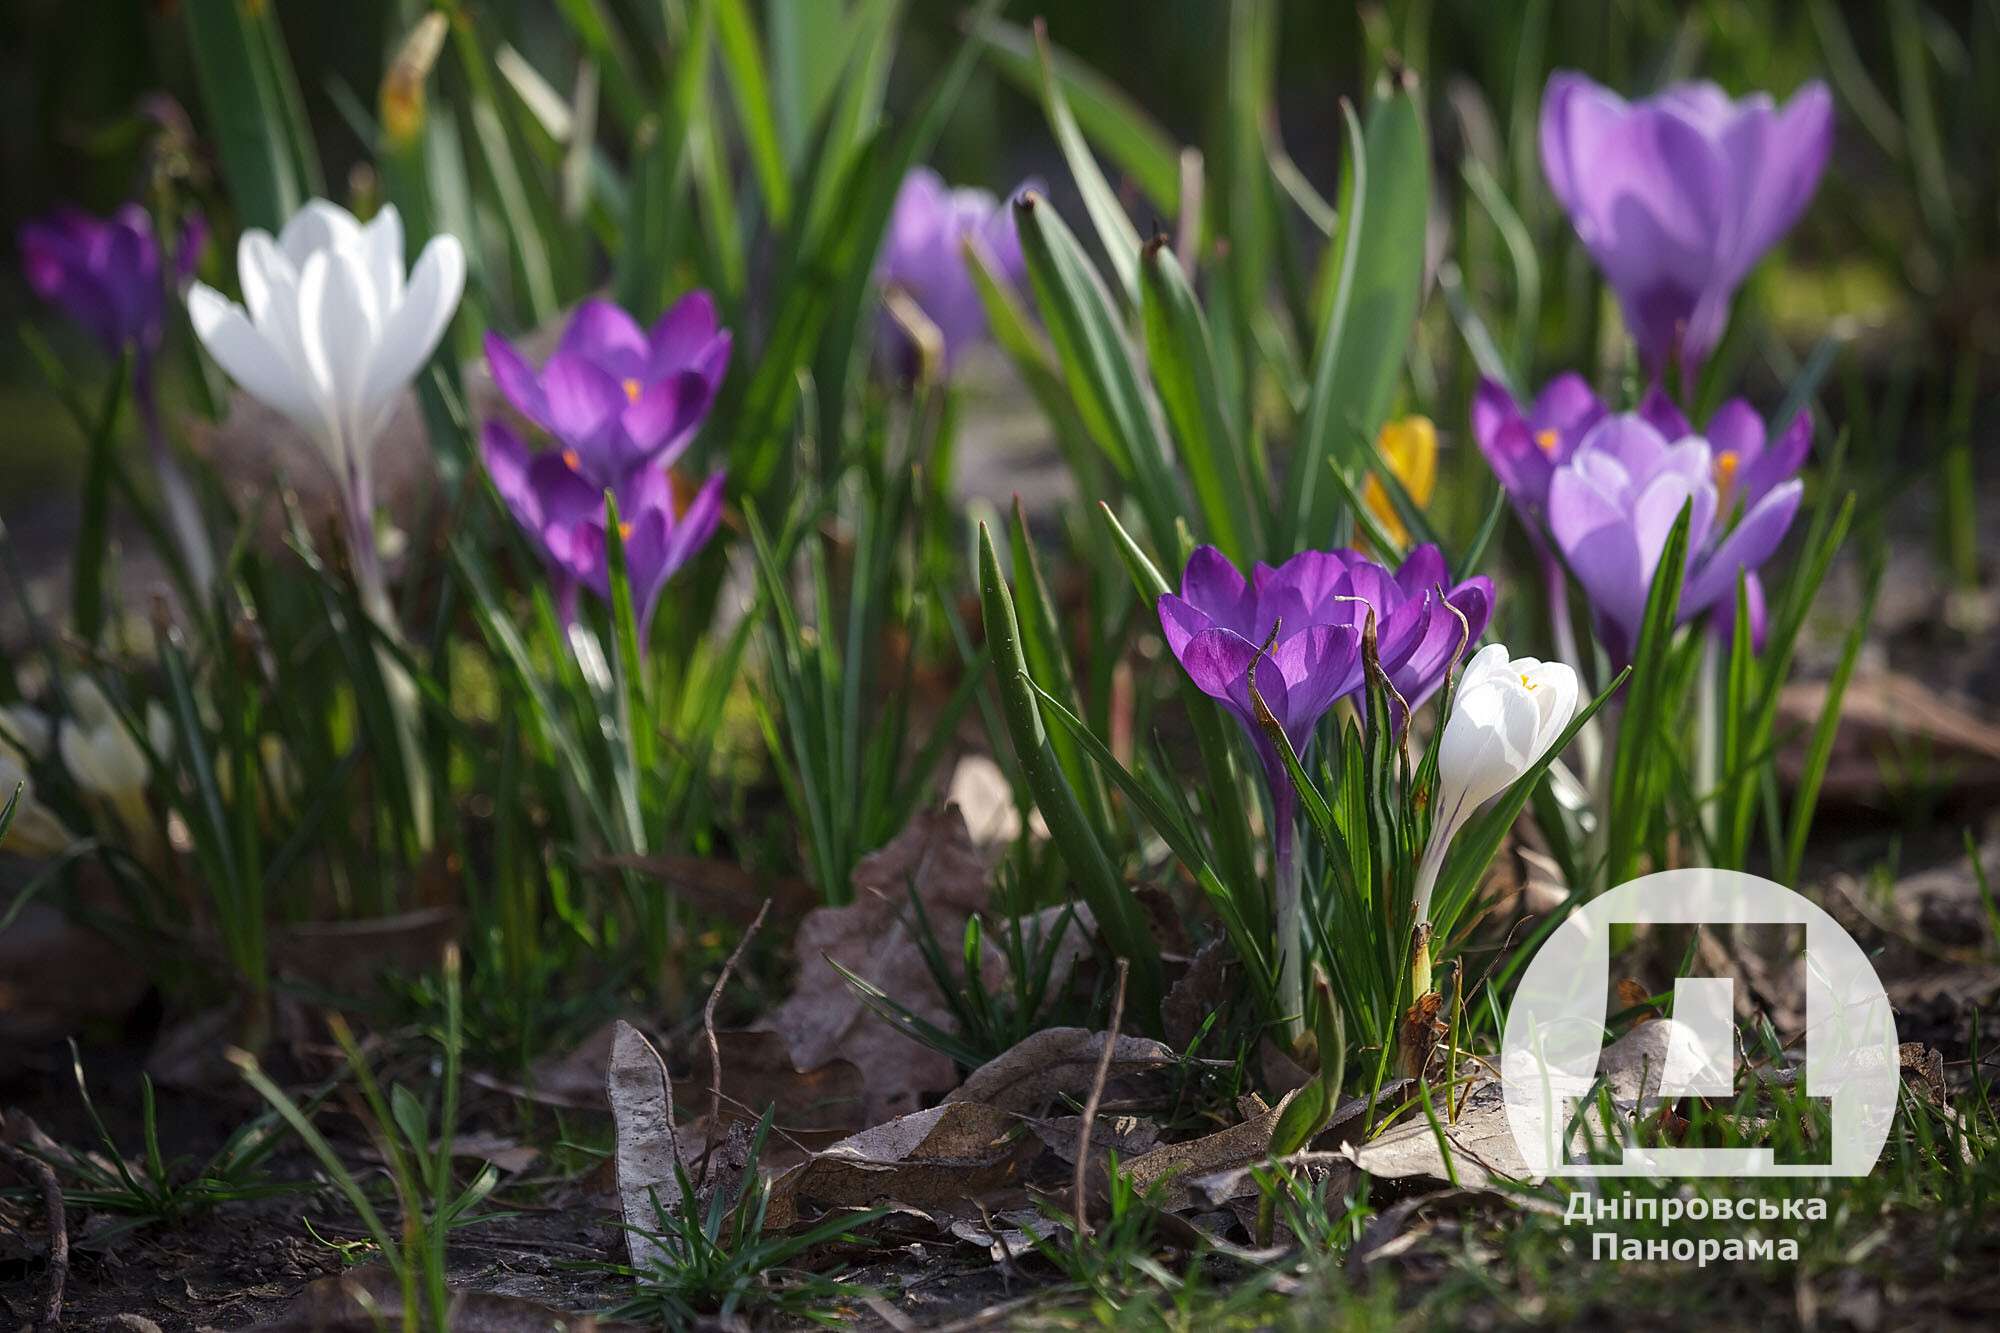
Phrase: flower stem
(1291, 938)
(1708, 736)
(183, 512)
(402, 690)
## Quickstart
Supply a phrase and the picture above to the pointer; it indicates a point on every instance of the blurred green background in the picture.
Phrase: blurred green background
(1900, 243)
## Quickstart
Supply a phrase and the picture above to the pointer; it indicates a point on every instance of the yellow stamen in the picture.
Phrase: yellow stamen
(631, 391)
(1525, 681)
(571, 460)
(1547, 440)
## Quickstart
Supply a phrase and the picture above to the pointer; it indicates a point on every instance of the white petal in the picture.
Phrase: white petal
(411, 332)
(338, 327)
(320, 225)
(246, 356)
(260, 267)
(382, 242)
(1488, 661)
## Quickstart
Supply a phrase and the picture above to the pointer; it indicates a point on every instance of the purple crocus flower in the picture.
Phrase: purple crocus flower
(621, 404)
(1612, 504)
(924, 255)
(563, 512)
(104, 272)
(1677, 197)
(1318, 602)
(1525, 448)
(615, 396)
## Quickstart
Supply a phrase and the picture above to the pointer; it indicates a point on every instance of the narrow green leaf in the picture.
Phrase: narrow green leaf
(1115, 231)
(1117, 915)
(1362, 343)
(1182, 359)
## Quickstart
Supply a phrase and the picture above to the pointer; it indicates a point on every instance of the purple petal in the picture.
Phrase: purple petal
(585, 406)
(1217, 661)
(682, 334)
(1180, 621)
(664, 418)
(507, 459)
(1778, 463)
(606, 337)
(517, 381)
(1746, 547)
(1215, 586)
(1567, 406)
(1661, 413)
(1596, 540)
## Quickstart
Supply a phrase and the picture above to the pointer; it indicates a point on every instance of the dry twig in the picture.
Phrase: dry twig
(714, 1047)
(34, 1171)
(1096, 1096)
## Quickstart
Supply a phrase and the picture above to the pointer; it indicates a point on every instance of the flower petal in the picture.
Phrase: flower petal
(248, 358)
(413, 328)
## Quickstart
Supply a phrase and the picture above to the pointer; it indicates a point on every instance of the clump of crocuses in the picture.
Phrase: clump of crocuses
(1606, 489)
(924, 258)
(1679, 195)
(620, 403)
(1300, 626)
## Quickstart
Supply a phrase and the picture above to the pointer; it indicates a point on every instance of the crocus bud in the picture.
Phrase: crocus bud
(97, 749)
(1505, 716)
(1409, 447)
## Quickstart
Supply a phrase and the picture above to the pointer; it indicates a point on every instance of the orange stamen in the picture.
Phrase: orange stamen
(624, 532)
(1547, 440)
(1725, 477)
(571, 461)
(631, 391)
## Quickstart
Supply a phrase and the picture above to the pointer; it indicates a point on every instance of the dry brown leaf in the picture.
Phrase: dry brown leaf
(1923, 1070)
(1481, 1142)
(648, 1149)
(1055, 1061)
(1127, 1135)
(927, 1159)
(758, 1074)
(824, 1020)
(1885, 717)
(1173, 1165)
(1202, 990)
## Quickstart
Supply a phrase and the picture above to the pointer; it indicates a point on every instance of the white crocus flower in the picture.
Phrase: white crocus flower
(1505, 715)
(332, 329)
(96, 747)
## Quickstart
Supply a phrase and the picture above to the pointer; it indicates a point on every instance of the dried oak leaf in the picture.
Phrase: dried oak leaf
(1172, 1166)
(648, 1148)
(928, 1159)
(1480, 1139)
(758, 1074)
(1055, 1061)
(873, 937)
